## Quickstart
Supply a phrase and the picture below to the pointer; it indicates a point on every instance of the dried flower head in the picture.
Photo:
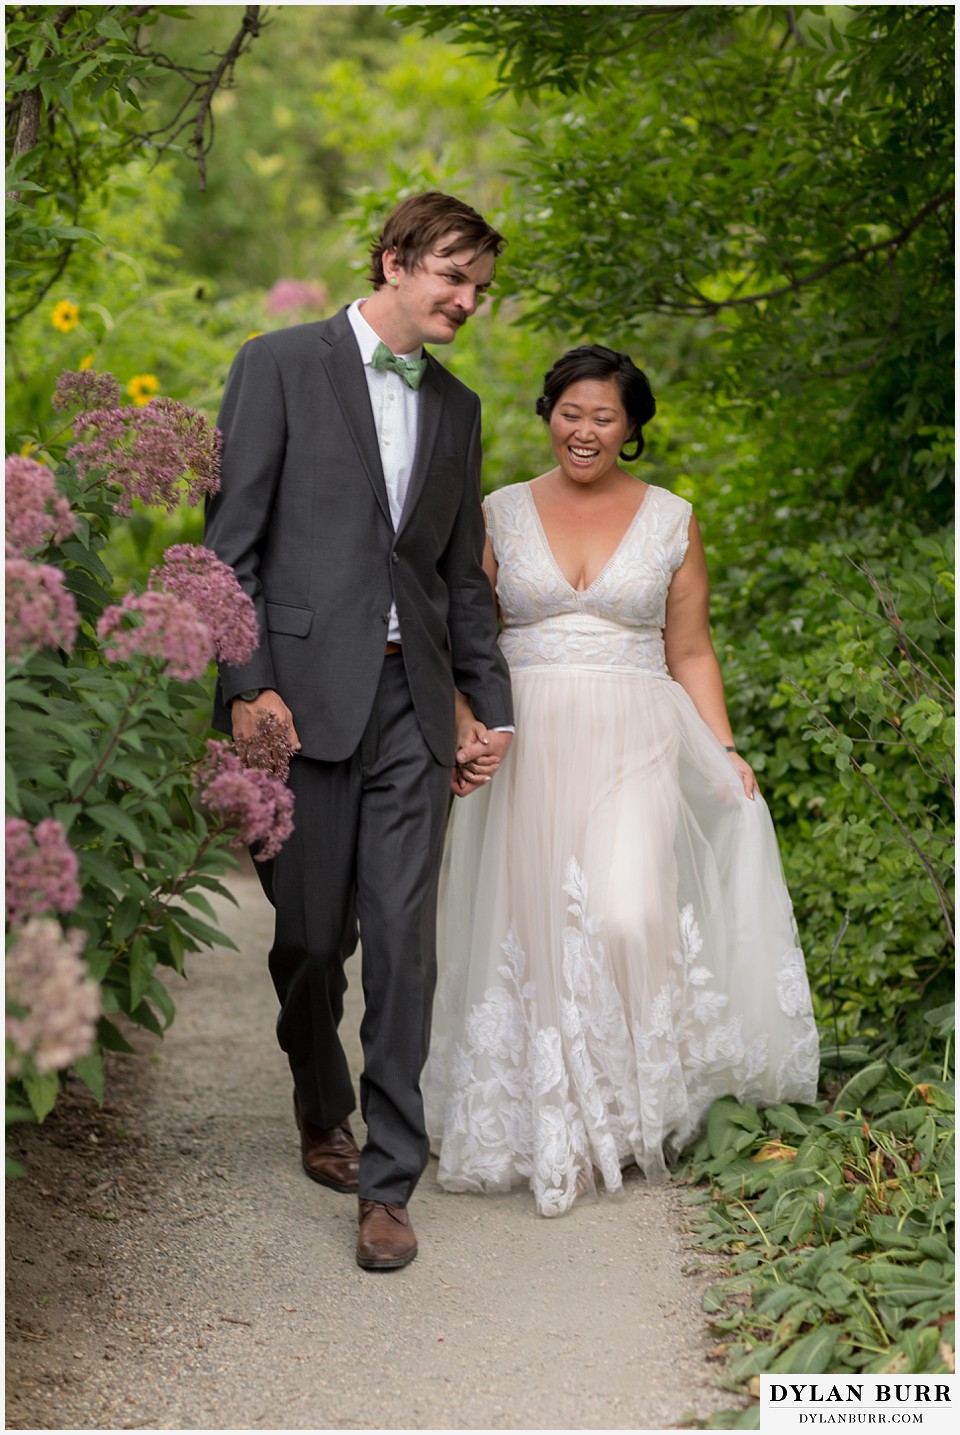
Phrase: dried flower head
(258, 805)
(157, 625)
(198, 577)
(85, 389)
(269, 749)
(41, 612)
(42, 870)
(47, 979)
(34, 512)
(161, 453)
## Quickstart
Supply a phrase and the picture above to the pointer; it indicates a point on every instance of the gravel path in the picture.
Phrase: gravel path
(170, 1267)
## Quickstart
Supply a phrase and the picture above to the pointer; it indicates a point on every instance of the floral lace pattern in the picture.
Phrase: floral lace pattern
(615, 623)
(555, 1105)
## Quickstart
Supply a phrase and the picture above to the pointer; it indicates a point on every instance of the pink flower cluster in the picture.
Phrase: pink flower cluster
(47, 978)
(258, 805)
(295, 296)
(269, 749)
(198, 577)
(42, 870)
(158, 625)
(85, 389)
(160, 453)
(34, 513)
(41, 612)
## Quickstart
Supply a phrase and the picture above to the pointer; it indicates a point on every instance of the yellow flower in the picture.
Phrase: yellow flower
(28, 448)
(86, 362)
(65, 316)
(254, 334)
(142, 387)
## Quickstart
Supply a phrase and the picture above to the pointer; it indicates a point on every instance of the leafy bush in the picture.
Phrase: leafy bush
(833, 1231)
(837, 656)
(101, 828)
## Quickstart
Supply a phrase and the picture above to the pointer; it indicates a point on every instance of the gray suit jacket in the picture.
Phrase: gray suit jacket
(303, 519)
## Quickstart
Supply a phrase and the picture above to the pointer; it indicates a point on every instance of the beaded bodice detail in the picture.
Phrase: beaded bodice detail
(617, 622)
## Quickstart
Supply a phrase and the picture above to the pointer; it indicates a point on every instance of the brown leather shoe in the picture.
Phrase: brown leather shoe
(386, 1240)
(330, 1157)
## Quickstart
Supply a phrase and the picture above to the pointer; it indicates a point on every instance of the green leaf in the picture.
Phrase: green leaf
(111, 1038)
(142, 962)
(90, 1071)
(114, 819)
(812, 1354)
(42, 1092)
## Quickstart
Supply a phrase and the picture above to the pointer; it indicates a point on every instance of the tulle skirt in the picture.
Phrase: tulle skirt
(616, 943)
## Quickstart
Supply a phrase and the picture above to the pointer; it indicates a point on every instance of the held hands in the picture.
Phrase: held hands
(479, 752)
(244, 716)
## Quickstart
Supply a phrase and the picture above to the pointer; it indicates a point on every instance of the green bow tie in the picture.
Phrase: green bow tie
(411, 371)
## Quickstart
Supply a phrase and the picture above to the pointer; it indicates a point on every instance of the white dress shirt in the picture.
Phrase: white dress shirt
(395, 412)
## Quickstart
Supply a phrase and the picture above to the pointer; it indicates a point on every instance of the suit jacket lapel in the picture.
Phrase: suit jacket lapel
(348, 382)
(428, 424)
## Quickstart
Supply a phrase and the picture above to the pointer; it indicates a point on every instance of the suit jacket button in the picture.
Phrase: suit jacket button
(395, 557)
(385, 617)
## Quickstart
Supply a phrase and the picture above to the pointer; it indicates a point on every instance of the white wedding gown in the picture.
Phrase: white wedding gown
(617, 946)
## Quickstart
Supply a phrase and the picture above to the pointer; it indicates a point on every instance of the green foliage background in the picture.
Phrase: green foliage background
(756, 202)
(653, 174)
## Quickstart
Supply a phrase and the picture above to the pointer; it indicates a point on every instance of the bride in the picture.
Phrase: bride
(617, 945)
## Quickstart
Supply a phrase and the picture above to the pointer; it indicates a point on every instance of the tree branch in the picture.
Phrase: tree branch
(856, 256)
(204, 89)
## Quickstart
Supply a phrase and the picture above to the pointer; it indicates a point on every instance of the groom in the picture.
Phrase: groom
(350, 512)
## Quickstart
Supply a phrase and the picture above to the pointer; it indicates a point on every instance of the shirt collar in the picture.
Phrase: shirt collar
(368, 338)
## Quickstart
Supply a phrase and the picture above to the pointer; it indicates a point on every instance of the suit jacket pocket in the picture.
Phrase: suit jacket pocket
(284, 618)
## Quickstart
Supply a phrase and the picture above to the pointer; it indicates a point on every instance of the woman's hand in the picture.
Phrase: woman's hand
(745, 773)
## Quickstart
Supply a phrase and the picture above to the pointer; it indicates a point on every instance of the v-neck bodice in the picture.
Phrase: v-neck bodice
(618, 620)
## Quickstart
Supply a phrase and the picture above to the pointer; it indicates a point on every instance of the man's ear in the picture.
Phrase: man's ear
(391, 269)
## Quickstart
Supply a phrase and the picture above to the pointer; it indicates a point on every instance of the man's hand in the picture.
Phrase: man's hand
(479, 753)
(243, 715)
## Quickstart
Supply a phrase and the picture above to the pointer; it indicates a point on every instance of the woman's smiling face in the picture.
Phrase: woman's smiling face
(588, 428)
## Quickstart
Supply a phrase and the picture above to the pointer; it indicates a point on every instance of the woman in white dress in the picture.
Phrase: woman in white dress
(617, 945)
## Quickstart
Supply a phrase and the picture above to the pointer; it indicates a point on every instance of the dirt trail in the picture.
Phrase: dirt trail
(168, 1265)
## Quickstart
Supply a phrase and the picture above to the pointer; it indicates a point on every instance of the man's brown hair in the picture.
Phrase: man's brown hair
(417, 225)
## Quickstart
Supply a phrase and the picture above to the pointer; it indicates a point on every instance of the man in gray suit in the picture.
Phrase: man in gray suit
(350, 512)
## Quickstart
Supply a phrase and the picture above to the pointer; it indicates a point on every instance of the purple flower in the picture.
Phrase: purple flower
(158, 625)
(159, 453)
(41, 612)
(85, 389)
(295, 295)
(34, 512)
(47, 977)
(258, 805)
(199, 578)
(42, 870)
(269, 749)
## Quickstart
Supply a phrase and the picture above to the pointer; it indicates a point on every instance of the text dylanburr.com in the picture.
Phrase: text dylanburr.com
(816, 1403)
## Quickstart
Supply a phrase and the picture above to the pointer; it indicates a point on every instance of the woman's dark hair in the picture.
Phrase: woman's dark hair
(593, 361)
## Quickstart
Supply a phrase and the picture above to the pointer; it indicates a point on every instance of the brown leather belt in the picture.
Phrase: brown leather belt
(392, 648)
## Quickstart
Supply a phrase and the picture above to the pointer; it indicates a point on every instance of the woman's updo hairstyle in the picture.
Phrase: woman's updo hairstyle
(593, 361)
